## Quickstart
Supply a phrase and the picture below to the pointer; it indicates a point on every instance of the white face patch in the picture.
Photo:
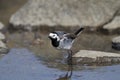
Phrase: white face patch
(54, 36)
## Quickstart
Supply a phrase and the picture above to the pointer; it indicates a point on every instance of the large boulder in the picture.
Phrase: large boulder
(96, 57)
(65, 13)
(114, 24)
(3, 47)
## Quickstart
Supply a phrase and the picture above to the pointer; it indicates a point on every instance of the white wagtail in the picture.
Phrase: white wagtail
(62, 40)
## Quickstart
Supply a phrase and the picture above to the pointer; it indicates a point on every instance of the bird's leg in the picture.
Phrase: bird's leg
(70, 66)
(70, 69)
(69, 58)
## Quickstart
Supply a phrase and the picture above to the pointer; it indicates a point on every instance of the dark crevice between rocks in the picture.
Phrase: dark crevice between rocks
(12, 29)
(42, 28)
(116, 46)
(108, 32)
(47, 28)
(105, 31)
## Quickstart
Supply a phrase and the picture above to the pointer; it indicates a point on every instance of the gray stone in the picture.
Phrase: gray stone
(2, 36)
(1, 25)
(88, 57)
(65, 12)
(114, 24)
(116, 39)
(2, 45)
(3, 48)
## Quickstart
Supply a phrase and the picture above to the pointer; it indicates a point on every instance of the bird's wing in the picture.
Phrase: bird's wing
(70, 36)
(60, 34)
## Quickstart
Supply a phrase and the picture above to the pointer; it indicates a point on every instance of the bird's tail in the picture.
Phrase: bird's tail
(79, 31)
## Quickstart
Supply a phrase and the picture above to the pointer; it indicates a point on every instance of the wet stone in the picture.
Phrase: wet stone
(116, 43)
(96, 57)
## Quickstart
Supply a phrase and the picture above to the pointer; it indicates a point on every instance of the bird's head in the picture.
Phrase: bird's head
(54, 36)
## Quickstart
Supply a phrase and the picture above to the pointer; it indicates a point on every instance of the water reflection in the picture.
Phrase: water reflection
(22, 64)
(68, 75)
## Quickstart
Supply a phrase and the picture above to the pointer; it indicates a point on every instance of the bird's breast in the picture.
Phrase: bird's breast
(65, 43)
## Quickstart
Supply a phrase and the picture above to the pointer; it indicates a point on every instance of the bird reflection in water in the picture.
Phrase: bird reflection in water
(68, 75)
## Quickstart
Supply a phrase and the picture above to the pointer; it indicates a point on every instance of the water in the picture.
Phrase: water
(22, 64)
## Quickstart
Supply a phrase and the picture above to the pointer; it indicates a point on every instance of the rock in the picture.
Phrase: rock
(116, 43)
(2, 44)
(95, 54)
(115, 24)
(116, 39)
(97, 57)
(2, 36)
(1, 26)
(65, 13)
(3, 48)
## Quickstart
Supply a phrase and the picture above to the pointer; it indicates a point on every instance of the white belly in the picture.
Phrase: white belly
(65, 43)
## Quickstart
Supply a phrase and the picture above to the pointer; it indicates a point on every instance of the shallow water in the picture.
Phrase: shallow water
(22, 64)
(38, 63)
(30, 61)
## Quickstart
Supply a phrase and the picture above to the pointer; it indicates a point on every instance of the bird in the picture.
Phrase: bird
(63, 41)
